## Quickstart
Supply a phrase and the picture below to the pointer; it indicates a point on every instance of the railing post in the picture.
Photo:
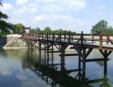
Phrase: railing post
(42, 36)
(33, 36)
(47, 36)
(72, 37)
(60, 37)
(107, 39)
(64, 36)
(92, 38)
(69, 37)
(38, 36)
(53, 37)
(82, 38)
(101, 38)
(30, 36)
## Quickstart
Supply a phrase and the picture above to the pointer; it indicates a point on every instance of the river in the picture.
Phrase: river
(20, 68)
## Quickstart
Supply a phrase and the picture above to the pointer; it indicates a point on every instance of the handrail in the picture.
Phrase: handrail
(72, 37)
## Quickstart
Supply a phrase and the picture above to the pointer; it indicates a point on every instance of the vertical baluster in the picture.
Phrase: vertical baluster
(53, 37)
(69, 37)
(72, 37)
(101, 38)
(64, 36)
(47, 36)
(60, 37)
(92, 38)
(42, 36)
(107, 39)
(82, 38)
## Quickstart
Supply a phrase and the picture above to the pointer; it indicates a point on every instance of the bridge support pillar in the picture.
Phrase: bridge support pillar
(105, 53)
(62, 51)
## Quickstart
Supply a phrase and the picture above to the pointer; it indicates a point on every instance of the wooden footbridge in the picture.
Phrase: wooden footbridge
(82, 43)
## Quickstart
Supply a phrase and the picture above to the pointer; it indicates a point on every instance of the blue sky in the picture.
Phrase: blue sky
(75, 15)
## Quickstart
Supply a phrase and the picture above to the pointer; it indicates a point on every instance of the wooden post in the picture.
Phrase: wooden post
(79, 65)
(101, 38)
(69, 37)
(60, 37)
(47, 47)
(81, 38)
(84, 63)
(53, 37)
(42, 36)
(105, 53)
(105, 62)
(62, 49)
(52, 59)
(72, 37)
(39, 51)
(47, 37)
(92, 38)
(107, 39)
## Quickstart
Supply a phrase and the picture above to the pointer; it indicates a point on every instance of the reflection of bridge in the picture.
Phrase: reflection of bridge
(59, 78)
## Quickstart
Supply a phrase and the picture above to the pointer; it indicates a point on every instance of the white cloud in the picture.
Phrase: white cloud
(21, 2)
(26, 9)
(63, 21)
(101, 7)
(44, 0)
(50, 17)
(62, 5)
(7, 7)
(76, 4)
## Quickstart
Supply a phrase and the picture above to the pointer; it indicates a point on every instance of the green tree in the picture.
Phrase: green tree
(47, 30)
(36, 31)
(109, 31)
(5, 27)
(18, 28)
(61, 31)
(100, 27)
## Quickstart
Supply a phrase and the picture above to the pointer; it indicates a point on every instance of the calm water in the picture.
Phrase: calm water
(20, 68)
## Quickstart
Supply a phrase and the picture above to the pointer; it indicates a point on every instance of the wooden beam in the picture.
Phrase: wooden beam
(94, 59)
(54, 51)
(73, 70)
(70, 55)
(88, 52)
(105, 53)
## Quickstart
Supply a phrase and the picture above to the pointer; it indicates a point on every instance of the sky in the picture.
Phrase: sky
(74, 15)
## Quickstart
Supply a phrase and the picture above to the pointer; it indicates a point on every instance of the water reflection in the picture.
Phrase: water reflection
(56, 75)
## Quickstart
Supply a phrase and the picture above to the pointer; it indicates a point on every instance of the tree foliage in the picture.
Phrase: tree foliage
(35, 31)
(102, 27)
(5, 27)
(18, 28)
(48, 30)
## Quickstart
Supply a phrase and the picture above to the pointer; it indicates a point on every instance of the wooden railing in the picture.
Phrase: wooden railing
(101, 38)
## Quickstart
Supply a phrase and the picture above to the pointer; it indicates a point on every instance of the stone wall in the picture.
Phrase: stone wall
(12, 41)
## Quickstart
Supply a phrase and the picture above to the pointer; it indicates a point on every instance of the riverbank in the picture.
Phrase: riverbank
(12, 41)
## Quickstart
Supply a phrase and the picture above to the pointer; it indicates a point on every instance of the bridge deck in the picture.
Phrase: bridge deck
(86, 44)
(89, 40)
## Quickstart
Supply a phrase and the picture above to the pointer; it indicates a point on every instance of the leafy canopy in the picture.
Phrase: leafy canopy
(102, 27)
(5, 27)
